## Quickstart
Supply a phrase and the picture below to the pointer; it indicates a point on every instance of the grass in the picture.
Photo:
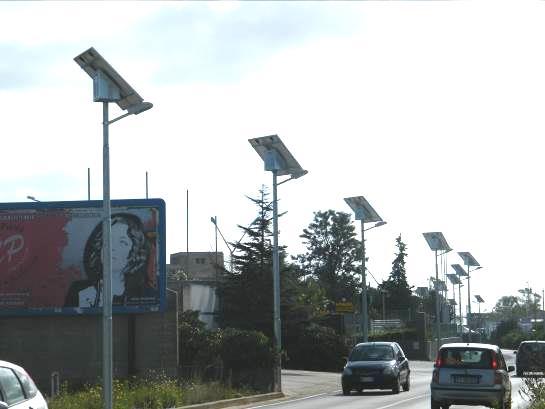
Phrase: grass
(157, 393)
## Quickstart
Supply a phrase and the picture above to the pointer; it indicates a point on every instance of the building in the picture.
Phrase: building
(194, 276)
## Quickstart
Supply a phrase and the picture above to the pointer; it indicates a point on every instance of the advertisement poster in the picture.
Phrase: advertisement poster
(51, 257)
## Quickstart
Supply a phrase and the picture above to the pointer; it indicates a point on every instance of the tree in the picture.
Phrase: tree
(332, 253)
(246, 293)
(396, 285)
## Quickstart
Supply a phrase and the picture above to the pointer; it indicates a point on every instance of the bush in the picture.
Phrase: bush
(533, 390)
(241, 349)
(316, 348)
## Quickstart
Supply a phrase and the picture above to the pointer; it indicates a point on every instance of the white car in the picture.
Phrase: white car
(470, 374)
(17, 390)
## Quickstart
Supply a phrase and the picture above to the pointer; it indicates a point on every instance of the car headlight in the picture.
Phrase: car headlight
(347, 371)
(389, 370)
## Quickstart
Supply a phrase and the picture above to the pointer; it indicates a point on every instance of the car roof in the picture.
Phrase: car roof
(10, 365)
(470, 345)
(376, 343)
(533, 342)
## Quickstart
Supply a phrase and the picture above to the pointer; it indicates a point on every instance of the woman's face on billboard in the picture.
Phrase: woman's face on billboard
(121, 246)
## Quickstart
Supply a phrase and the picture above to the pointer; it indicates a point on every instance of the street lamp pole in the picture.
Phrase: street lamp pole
(277, 159)
(365, 213)
(108, 86)
(469, 261)
(107, 342)
(436, 241)
(364, 309)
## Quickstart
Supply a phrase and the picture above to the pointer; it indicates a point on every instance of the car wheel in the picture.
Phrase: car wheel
(407, 384)
(435, 404)
(397, 386)
(346, 390)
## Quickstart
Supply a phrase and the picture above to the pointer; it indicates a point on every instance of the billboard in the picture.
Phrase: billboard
(51, 257)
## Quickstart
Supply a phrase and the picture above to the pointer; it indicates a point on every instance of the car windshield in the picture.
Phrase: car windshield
(466, 358)
(372, 353)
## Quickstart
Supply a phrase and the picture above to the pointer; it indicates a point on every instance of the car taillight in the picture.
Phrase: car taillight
(438, 361)
(435, 376)
(494, 361)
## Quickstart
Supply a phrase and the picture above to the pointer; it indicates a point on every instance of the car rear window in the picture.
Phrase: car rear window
(466, 358)
(529, 347)
(372, 353)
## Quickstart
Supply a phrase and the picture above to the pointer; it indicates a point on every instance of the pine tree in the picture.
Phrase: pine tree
(246, 294)
(398, 289)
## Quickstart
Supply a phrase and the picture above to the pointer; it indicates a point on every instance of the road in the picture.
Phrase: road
(315, 390)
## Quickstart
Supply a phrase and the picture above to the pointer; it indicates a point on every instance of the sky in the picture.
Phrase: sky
(434, 111)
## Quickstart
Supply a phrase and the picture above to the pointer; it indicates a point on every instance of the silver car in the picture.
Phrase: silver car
(470, 374)
(17, 390)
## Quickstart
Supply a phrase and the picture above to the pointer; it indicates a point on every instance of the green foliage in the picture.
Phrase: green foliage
(533, 390)
(332, 253)
(398, 289)
(198, 346)
(316, 348)
(245, 349)
(153, 393)
(247, 291)
(156, 393)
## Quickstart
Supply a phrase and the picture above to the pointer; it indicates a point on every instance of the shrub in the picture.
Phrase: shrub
(316, 348)
(533, 390)
(241, 349)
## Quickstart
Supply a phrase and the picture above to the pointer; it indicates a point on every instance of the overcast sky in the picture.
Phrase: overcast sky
(434, 111)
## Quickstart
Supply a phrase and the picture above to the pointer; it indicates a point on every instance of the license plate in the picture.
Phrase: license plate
(367, 379)
(466, 380)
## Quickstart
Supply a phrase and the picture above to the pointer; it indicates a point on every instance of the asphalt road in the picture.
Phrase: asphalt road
(318, 390)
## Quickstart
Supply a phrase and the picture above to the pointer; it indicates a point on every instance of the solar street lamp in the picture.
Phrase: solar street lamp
(366, 214)
(437, 242)
(454, 279)
(469, 261)
(277, 159)
(108, 86)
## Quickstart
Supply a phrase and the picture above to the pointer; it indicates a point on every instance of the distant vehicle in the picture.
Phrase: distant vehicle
(376, 365)
(17, 390)
(470, 374)
(531, 358)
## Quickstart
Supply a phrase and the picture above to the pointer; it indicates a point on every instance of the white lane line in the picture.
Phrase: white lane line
(294, 400)
(403, 401)
(329, 393)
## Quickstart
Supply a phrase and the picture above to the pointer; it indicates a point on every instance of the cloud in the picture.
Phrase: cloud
(202, 43)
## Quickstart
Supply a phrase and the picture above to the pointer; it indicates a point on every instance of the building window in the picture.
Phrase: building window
(200, 260)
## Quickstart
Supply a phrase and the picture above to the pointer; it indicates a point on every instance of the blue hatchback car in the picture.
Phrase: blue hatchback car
(376, 365)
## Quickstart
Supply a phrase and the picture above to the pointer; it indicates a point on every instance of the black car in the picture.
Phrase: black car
(376, 365)
(531, 358)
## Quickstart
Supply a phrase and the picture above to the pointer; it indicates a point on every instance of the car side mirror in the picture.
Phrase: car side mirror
(515, 352)
(400, 358)
(3, 405)
(510, 368)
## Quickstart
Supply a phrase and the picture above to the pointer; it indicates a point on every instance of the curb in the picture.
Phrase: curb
(235, 401)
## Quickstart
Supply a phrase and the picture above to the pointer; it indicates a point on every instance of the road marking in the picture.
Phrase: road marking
(293, 400)
(404, 400)
(329, 393)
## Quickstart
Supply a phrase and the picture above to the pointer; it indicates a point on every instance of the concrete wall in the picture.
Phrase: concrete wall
(72, 345)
